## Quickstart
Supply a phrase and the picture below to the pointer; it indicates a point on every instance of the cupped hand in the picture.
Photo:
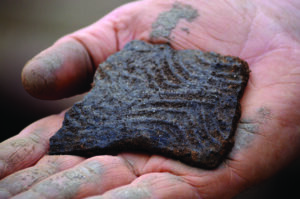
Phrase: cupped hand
(264, 33)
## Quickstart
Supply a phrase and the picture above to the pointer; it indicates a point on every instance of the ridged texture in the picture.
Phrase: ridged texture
(151, 98)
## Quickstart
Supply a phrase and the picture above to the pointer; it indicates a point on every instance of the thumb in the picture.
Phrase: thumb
(67, 67)
(59, 71)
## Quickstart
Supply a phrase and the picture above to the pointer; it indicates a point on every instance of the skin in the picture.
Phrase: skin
(264, 33)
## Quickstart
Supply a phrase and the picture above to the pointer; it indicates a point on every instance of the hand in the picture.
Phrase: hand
(264, 33)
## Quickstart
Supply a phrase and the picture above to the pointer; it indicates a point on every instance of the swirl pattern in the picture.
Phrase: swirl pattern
(151, 98)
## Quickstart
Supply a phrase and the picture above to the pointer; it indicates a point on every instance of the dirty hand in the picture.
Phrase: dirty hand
(264, 33)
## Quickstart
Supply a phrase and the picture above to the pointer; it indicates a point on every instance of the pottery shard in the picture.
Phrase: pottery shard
(151, 98)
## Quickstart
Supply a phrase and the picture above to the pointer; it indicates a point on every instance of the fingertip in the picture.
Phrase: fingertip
(62, 70)
(37, 79)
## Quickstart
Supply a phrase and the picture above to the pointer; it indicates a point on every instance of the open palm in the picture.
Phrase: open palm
(265, 34)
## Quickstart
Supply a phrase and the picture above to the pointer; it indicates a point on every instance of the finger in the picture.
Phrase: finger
(154, 185)
(93, 176)
(29, 146)
(67, 67)
(24, 179)
(45, 73)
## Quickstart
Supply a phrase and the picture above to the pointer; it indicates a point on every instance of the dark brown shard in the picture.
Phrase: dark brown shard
(150, 98)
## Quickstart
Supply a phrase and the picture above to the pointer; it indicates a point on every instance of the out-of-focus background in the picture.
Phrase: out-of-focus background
(26, 28)
(29, 26)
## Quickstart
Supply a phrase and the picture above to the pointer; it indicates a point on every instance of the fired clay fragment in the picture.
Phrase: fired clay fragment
(151, 98)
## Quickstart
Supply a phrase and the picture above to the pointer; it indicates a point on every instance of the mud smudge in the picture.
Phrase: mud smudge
(167, 21)
(249, 128)
(67, 184)
(186, 30)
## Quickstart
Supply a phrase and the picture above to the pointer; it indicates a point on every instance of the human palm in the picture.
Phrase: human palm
(264, 34)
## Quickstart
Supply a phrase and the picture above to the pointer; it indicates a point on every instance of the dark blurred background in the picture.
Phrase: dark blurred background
(26, 28)
(29, 26)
